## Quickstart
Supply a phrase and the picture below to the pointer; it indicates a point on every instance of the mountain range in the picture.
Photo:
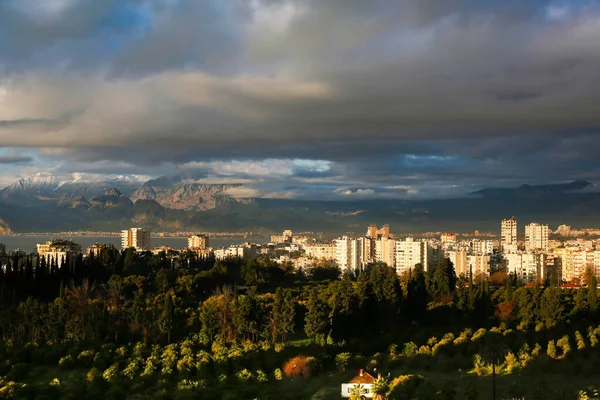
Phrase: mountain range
(44, 203)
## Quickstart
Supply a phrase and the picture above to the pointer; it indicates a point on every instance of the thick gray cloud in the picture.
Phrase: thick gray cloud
(402, 93)
(14, 158)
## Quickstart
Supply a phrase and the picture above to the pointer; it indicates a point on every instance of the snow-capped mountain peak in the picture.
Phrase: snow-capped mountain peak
(41, 180)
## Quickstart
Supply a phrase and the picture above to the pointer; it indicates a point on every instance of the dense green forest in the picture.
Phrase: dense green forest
(129, 325)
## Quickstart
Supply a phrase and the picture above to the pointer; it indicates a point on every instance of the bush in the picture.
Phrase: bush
(244, 375)
(342, 360)
(551, 350)
(66, 362)
(405, 386)
(393, 350)
(580, 341)
(86, 358)
(464, 337)
(93, 375)
(480, 333)
(261, 377)
(536, 351)
(432, 341)
(18, 372)
(133, 369)
(564, 345)
(112, 374)
(410, 349)
(190, 385)
(278, 374)
(512, 362)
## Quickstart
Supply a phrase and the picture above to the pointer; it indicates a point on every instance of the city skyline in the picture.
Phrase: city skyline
(415, 99)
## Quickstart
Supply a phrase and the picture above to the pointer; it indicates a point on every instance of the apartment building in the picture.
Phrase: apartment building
(536, 237)
(527, 266)
(321, 250)
(508, 234)
(198, 242)
(135, 237)
(347, 254)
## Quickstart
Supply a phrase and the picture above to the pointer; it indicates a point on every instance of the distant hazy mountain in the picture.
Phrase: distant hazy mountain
(186, 196)
(40, 203)
(534, 191)
(42, 188)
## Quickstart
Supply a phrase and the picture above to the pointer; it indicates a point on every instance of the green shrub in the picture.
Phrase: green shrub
(261, 377)
(93, 374)
(579, 340)
(18, 372)
(278, 374)
(480, 333)
(342, 360)
(244, 375)
(564, 344)
(66, 362)
(86, 358)
(512, 362)
(190, 385)
(405, 386)
(410, 349)
(112, 374)
(432, 341)
(551, 350)
(133, 369)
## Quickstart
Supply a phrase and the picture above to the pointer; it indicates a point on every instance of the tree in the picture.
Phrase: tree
(380, 388)
(552, 309)
(444, 281)
(79, 301)
(593, 294)
(166, 317)
(281, 321)
(493, 351)
(317, 316)
(416, 296)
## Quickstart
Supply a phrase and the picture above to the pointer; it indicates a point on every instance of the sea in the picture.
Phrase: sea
(28, 243)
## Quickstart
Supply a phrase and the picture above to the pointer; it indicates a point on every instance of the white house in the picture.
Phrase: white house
(363, 379)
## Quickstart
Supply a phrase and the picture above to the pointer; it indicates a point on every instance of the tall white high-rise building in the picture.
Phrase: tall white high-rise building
(410, 253)
(135, 237)
(367, 250)
(508, 233)
(198, 242)
(347, 254)
(385, 250)
(536, 237)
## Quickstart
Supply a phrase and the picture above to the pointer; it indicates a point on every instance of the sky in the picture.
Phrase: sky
(315, 99)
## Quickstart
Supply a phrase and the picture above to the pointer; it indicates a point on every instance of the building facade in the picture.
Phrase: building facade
(385, 250)
(321, 251)
(410, 253)
(198, 242)
(529, 266)
(58, 251)
(536, 237)
(508, 233)
(136, 238)
(347, 254)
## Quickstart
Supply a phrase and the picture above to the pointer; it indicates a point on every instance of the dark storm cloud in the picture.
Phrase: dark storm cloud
(395, 92)
(14, 158)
